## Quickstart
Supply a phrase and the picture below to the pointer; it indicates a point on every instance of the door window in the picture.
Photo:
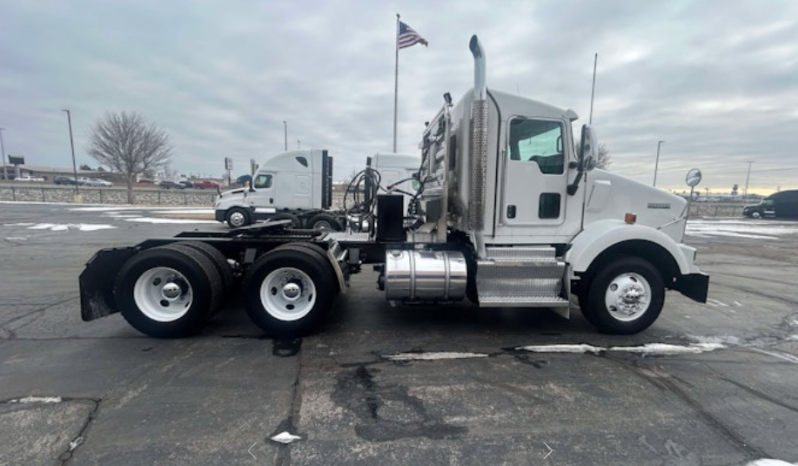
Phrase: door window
(538, 141)
(263, 182)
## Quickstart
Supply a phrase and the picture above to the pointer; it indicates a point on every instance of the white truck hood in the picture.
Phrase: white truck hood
(613, 196)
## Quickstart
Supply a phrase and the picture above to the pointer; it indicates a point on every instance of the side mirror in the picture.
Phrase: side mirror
(693, 177)
(588, 153)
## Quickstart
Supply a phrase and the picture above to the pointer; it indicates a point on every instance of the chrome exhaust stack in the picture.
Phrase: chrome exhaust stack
(478, 143)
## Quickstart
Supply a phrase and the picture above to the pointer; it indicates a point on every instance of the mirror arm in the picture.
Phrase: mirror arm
(574, 187)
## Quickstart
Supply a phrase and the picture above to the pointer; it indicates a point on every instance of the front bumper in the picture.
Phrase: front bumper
(220, 215)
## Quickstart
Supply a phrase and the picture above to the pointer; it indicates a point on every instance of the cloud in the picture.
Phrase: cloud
(714, 79)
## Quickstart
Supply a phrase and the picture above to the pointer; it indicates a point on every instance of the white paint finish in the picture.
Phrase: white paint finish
(433, 356)
(167, 220)
(601, 235)
(38, 399)
(285, 438)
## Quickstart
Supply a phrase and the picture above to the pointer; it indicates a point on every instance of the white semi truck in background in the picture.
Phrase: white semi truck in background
(510, 214)
(298, 186)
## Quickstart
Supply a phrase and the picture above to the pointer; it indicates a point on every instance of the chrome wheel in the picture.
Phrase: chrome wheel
(322, 225)
(162, 294)
(628, 297)
(237, 219)
(288, 294)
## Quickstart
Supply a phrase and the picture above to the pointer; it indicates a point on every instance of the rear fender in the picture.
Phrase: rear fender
(97, 282)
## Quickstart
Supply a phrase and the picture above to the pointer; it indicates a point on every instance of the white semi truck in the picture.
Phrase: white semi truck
(298, 186)
(509, 215)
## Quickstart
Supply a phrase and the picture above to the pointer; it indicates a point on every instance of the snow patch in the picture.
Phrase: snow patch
(778, 355)
(285, 438)
(167, 220)
(70, 226)
(18, 224)
(740, 229)
(562, 349)
(663, 348)
(792, 338)
(648, 348)
(38, 399)
(187, 211)
(16, 238)
(768, 462)
(432, 356)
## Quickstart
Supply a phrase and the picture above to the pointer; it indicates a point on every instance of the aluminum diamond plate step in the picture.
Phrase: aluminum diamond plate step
(523, 301)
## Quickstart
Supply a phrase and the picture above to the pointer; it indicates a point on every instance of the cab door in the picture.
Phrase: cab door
(263, 195)
(535, 175)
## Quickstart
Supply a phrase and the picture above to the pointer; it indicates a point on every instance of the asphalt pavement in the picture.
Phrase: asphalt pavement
(707, 384)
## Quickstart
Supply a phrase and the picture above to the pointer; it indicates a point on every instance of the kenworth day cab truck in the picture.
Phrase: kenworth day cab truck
(298, 186)
(509, 214)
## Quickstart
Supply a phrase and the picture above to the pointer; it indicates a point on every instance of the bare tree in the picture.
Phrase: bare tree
(604, 159)
(130, 145)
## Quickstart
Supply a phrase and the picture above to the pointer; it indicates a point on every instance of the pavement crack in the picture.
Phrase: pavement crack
(41, 310)
(761, 395)
(667, 382)
(290, 424)
(80, 439)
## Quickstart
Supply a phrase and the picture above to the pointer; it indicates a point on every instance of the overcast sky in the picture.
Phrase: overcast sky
(716, 80)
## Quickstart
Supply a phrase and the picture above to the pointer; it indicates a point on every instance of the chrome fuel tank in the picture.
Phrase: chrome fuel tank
(425, 275)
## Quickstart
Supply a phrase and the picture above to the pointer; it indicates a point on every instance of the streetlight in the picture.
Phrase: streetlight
(656, 164)
(747, 178)
(3, 155)
(285, 128)
(72, 145)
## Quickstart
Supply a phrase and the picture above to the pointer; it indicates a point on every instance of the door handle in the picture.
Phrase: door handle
(510, 211)
(271, 200)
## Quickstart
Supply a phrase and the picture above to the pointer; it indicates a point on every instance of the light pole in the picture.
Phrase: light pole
(747, 178)
(3, 154)
(285, 129)
(72, 145)
(656, 164)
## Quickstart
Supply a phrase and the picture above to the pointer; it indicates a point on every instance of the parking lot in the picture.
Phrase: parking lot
(707, 384)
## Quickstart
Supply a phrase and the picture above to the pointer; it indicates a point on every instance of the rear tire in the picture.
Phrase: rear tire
(217, 258)
(168, 291)
(626, 296)
(295, 221)
(324, 222)
(238, 217)
(287, 291)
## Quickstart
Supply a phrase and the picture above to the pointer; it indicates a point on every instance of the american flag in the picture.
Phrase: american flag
(408, 37)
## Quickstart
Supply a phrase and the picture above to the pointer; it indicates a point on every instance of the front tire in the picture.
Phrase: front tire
(625, 297)
(756, 215)
(287, 291)
(238, 217)
(168, 291)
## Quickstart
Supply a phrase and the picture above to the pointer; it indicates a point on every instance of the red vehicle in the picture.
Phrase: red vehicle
(206, 184)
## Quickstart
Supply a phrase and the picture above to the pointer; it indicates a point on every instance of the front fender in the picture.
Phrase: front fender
(599, 236)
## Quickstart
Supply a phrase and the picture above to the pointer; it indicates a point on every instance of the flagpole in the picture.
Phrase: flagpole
(396, 84)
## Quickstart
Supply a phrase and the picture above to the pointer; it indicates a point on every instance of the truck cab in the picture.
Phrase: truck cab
(783, 204)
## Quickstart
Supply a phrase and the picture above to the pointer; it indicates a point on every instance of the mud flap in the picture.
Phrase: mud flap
(97, 282)
(695, 286)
